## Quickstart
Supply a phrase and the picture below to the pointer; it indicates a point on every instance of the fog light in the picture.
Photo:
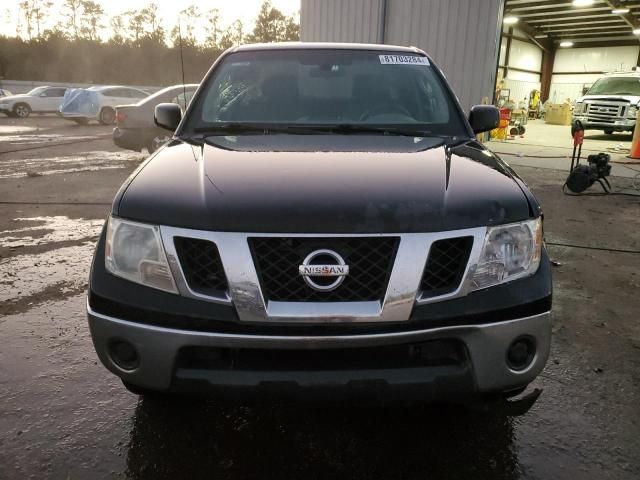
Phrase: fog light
(520, 353)
(124, 354)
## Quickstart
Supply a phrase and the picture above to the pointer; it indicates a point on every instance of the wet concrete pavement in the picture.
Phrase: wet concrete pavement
(63, 416)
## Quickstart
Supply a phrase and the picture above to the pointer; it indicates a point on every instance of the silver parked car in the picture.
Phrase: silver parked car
(135, 128)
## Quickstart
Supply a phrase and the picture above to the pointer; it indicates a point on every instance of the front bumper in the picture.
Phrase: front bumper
(617, 124)
(484, 371)
(130, 139)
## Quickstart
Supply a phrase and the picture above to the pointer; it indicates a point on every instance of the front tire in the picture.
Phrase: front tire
(107, 116)
(608, 132)
(22, 110)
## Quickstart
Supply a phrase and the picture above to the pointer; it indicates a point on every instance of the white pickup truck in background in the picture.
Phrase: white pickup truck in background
(611, 104)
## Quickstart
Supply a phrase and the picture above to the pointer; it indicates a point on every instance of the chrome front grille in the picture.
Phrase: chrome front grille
(605, 112)
(257, 272)
(370, 260)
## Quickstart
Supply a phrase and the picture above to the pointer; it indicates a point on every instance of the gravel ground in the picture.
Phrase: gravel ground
(63, 416)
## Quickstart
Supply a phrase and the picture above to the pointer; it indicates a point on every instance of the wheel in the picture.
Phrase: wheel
(156, 142)
(22, 110)
(81, 121)
(107, 116)
(608, 132)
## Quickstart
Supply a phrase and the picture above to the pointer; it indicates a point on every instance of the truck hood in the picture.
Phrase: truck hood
(632, 99)
(323, 184)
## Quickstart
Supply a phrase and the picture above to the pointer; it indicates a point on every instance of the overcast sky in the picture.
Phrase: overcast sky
(168, 10)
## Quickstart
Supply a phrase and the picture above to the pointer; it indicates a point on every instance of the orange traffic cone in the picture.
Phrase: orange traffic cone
(634, 152)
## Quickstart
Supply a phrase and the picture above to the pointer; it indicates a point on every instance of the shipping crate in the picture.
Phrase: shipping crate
(558, 114)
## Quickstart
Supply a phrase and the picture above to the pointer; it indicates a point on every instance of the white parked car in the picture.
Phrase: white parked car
(97, 103)
(38, 100)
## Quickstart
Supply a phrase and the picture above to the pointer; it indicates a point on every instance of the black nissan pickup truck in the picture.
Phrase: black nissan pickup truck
(323, 222)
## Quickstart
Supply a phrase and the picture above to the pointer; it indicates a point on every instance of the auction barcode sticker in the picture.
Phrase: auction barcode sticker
(403, 60)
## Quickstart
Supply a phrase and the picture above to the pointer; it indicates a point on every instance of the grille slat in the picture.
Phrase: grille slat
(370, 261)
(445, 266)
(201, 265)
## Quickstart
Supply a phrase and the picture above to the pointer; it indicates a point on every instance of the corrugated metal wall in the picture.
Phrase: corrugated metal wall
(341, 20)
(462, 36)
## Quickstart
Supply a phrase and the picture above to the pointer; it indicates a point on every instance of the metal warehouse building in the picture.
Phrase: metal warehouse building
(462, 36)
(509, 52)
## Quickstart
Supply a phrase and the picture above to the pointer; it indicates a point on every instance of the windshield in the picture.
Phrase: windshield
(616, 86)
(36, 91)
(326, 87)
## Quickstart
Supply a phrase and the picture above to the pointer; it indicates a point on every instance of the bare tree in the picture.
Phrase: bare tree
(117, 28)
(273, 26)
(91, 21)
(40, 10)
(233, 35)
(27, 13)
(136, 21)
(185, 27)
(152, 23)
(213, 28)
(71, 11)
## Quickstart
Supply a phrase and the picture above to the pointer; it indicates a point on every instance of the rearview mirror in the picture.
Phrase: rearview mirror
(167, 115)
(484, 118)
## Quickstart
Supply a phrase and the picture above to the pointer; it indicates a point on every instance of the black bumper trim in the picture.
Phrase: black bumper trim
(200, 324)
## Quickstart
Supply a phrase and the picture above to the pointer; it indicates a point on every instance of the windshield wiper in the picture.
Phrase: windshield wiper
(234, 128)
(354, 128)
(231, 128)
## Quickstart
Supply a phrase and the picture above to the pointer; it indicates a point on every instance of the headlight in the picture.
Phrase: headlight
(632, 112)
(578, 108)
(509, 252)
(134, 251)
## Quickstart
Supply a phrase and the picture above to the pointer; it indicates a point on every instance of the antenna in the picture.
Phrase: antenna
(184, 88)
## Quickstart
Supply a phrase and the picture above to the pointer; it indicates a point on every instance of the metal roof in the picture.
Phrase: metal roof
(594, 24)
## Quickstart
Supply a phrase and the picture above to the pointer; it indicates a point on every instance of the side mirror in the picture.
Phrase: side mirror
(484, 118)
(168, 116)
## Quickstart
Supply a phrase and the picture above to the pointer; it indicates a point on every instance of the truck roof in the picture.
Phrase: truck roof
(325, 46)
(622, 74)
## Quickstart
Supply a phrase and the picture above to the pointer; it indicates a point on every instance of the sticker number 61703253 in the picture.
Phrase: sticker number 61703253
(403, 60)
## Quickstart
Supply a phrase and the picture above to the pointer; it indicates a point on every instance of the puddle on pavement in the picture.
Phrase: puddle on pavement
(82, 162)
(26, 275)
(31, 139)
(13, 129)
(39, 230)
(56, 272)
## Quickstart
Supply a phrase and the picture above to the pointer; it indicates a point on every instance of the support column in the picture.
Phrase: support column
(548, 58)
